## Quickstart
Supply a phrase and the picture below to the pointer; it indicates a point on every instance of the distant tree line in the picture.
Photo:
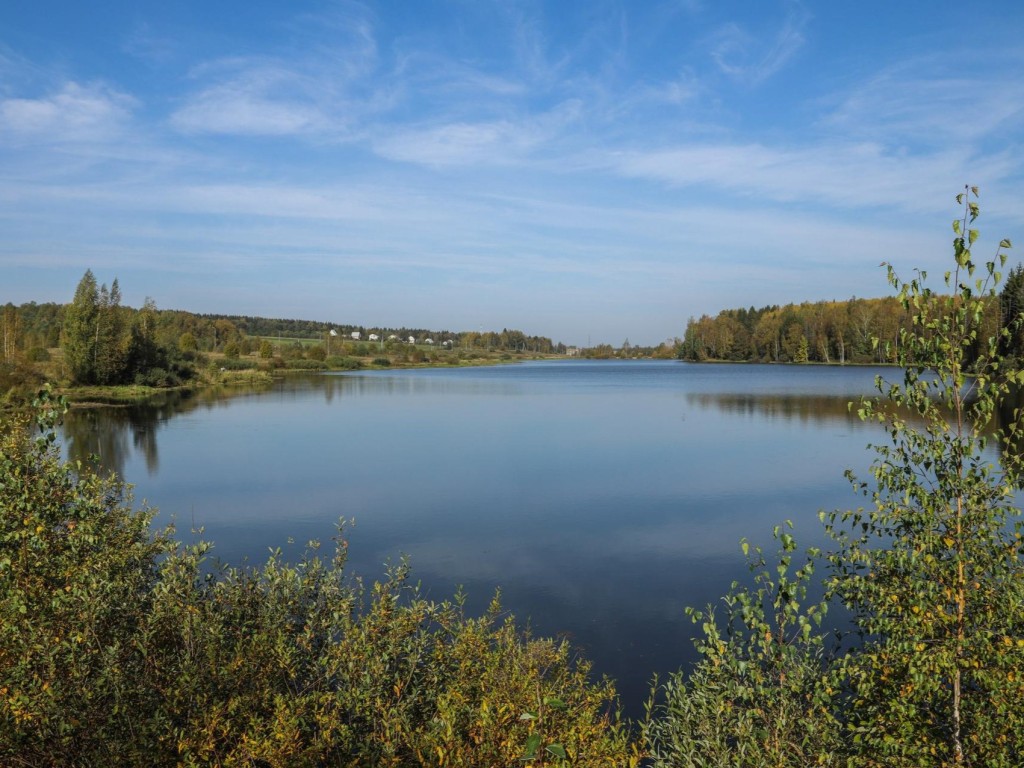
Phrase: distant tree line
(107, 343)
(826, 332)
(833, 332)
(509, 340)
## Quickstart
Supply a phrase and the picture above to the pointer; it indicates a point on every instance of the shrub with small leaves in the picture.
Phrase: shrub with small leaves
(122, 647)
(760, 693)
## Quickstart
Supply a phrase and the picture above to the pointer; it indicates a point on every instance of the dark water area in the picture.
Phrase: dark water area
(601, 497)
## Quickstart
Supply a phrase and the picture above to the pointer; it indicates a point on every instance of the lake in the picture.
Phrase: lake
(602, 497)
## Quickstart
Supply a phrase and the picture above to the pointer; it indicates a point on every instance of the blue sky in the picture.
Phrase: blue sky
(583, 170)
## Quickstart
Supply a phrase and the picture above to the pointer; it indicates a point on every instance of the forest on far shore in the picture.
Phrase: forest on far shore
(831, 332)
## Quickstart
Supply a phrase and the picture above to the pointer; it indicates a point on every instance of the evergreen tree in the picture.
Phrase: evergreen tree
(1011, 305)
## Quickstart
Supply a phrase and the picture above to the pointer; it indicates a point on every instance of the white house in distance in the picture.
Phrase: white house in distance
(428, 341)
(392, 337)
(412, 339)
(373, 337)
(356, 335)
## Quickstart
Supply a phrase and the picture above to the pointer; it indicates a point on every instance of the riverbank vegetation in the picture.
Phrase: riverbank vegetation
(930, 671)
(97, 350)
(119, 646)
(858, 331)
(902, 645)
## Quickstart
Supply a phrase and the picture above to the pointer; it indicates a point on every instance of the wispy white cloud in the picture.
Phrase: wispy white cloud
(915, 103)
(76, 112)
(456, 144)
(841, 174)
(752, 59)
(256, 98)
(143, 43)
(499, 142)
(314, 89)
(582, 156)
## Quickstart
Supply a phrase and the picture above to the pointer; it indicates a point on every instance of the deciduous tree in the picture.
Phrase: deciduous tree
(79, 338)
(931, 570)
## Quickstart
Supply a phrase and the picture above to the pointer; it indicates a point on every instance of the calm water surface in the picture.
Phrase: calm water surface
(602, 497)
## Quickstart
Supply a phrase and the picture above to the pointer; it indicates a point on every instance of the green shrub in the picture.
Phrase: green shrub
(119, 646)
(307, 365)
(155, 377)
(930, 574)
(340, 363)
(38, 355)
(77, 570)
(760, 694)
(234, 364)
(18, 381)
(382, 361)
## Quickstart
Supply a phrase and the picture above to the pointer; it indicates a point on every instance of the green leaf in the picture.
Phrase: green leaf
(1005, 243)
(532, 745)
(557, 750)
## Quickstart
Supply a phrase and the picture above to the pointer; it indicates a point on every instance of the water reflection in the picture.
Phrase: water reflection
(601, 497)
(116, 434)
(803, 408)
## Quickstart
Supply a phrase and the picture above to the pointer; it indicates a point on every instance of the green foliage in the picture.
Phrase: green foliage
(233, 364)
(930, 574)
(18, 381)
(76, 570)
(110, 364)
(1011, 306)
(11, 333)
(300, 364)
(120, 647)
(343, 363)
(106, 344)
(759, 695)
(825, 332)
(293, 351)
(187, 342)
(79, 332)
(931, 571)
(38, 355)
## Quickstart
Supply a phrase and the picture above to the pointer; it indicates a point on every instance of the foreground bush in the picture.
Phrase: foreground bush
(930, 575)
(119, 646)
(759, 695)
